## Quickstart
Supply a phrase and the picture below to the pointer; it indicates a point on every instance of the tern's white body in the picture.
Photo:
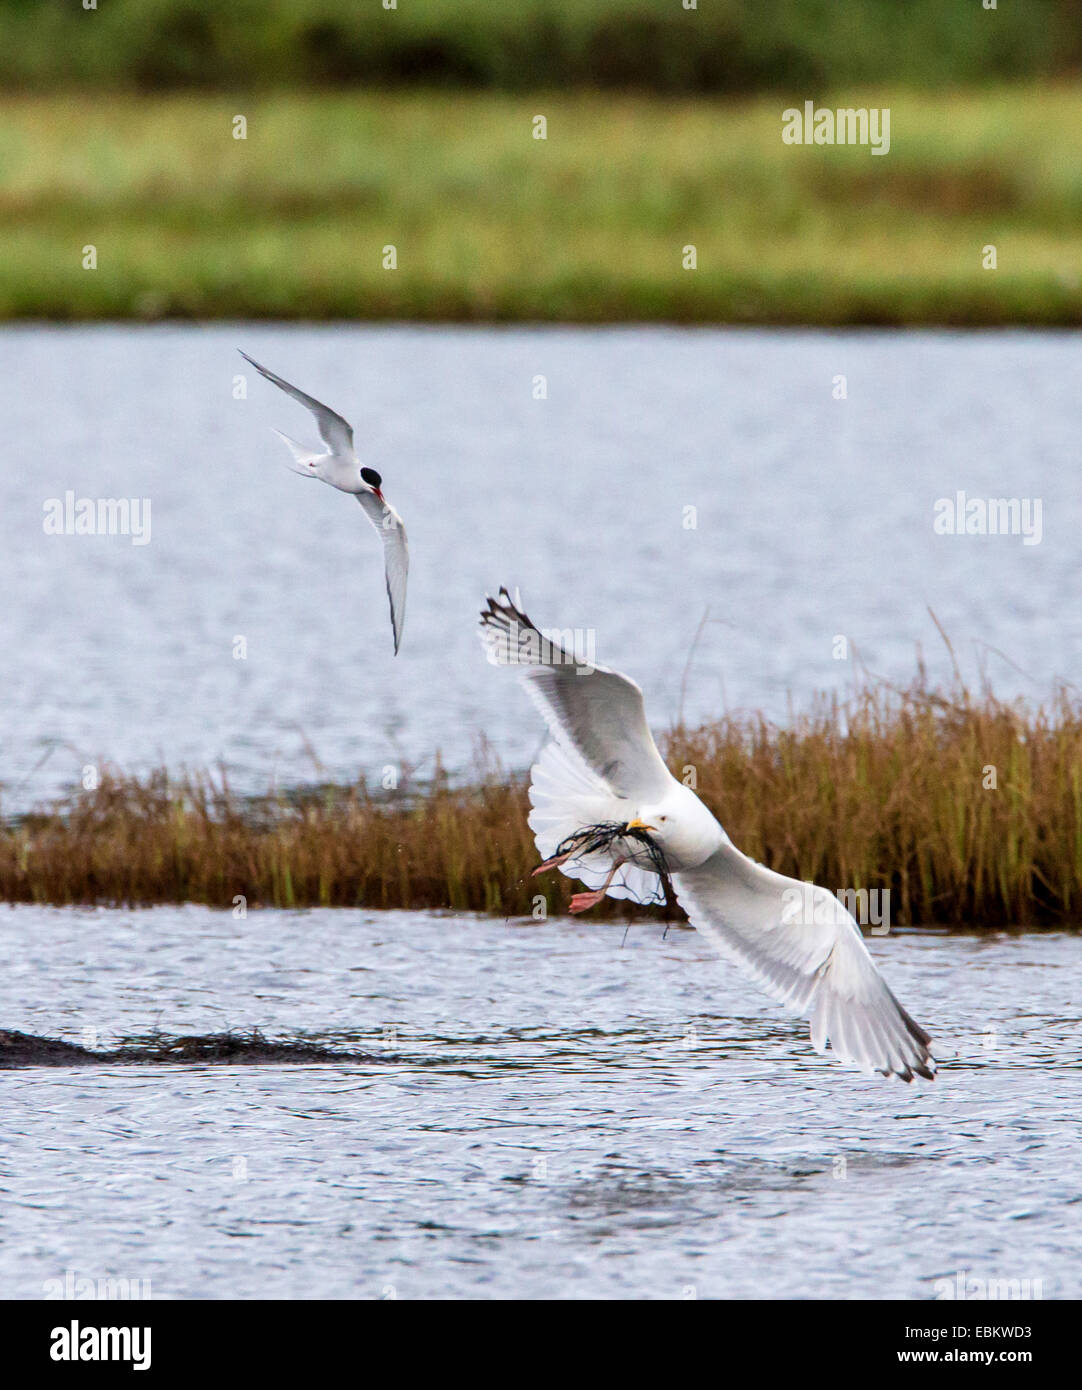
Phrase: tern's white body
(339, 466)
(342, 472)
(602, 768)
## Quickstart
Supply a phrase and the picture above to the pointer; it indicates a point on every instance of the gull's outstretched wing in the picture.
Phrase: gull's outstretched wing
(395, 556)
(596, 712)
(806, 951)
(335, 432)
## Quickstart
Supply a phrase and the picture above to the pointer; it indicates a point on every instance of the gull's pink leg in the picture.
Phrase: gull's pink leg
(582, 902)
(553, 863)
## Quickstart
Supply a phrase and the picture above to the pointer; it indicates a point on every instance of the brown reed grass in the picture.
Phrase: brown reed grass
(885, 789)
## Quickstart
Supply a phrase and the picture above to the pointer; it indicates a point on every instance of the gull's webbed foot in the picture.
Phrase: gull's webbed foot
(582, 902)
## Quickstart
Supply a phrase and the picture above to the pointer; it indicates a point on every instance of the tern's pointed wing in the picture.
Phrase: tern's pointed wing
(335, 432)
(395, 556)
(801, 945)
(596, 712)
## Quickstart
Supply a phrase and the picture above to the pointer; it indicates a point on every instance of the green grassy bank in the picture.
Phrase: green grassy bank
(587, 225)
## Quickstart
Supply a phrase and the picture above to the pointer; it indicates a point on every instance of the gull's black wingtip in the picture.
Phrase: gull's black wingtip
(504, 606)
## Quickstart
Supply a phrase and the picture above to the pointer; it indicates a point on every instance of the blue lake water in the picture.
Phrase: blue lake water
(813, 520)
(550, 1111)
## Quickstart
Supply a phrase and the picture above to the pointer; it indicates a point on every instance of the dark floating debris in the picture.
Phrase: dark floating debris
(26, 1050)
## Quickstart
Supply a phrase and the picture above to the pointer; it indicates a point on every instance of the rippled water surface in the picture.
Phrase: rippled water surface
(812, 520)
(549, 1110)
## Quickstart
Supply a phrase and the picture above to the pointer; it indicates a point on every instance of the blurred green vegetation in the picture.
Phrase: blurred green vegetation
(722, 45)
(587, 225)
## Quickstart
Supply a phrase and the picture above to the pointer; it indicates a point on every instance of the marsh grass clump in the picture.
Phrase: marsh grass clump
(968, 809)
(136, 840)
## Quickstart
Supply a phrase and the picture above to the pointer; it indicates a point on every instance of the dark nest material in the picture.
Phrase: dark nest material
(595, 839)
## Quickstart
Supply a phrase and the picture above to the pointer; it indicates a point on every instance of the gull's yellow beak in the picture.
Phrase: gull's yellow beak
(637, 824)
